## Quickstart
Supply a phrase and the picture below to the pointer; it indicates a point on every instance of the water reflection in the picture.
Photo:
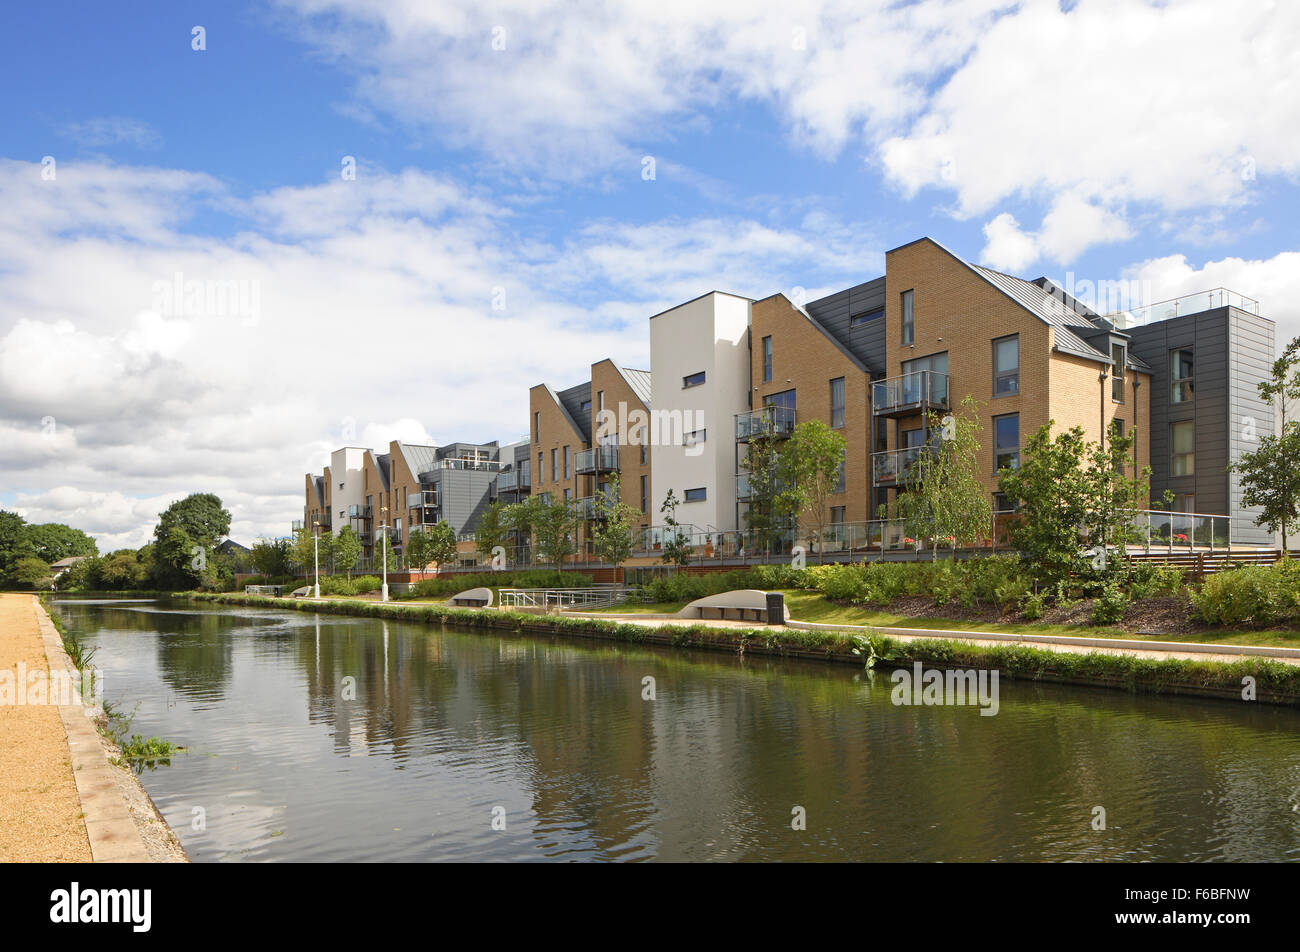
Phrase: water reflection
(325, 737)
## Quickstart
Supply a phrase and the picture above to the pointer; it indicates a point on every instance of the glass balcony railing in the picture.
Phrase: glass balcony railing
(421, 500)
(1180, 306)
(586, 506)
(769, 421)
(598, 459)
(892, 468)
(513, 481)
(358, 512)
(910, 393)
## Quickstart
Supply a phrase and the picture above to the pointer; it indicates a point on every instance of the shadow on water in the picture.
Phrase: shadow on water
(324, 737)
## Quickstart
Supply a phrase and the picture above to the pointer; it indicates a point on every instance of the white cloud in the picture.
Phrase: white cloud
(374, 321)
(1274, 282)
(1073, 225)
(1008, 247)
(114, 130)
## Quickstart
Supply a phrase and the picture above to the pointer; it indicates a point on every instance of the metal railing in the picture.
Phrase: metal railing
(561, 598)
(1186, 304)
(358, 512)
(513, 481)
(892, 467)
(768, 421)
(598, 459)
(421, 500)
(919, 390)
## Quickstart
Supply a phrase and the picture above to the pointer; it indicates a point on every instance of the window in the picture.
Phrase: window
(909, 335)
(1184, 502)
(839, 479)
(767, 359)
(786, 398)
(1119, 356)
(568, 494)
(1002, 503)
(1006, 366)
(643, 453)
(568, 460)
(1006, 442)
(696, 495)
(541, 468)
(600, 400)
(1182, 440)
(537, 427)
(645, 493)
(882, 435)
(1180, 370)
(937, 363)
(859, 319)
(693, 380)
(694, 437)
(837, 403)
(586, 408)
(837, 515)
(555, 464)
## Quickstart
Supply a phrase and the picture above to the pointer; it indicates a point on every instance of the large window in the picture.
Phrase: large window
(1180, 370)
(1119, 357)
(909, 334)
(695, 495)
(1006, 442)
(568, 461)
(1182, 440)
(767, 359)
(1006, 366)
(837, 403)
(693, 380)
(859, 319)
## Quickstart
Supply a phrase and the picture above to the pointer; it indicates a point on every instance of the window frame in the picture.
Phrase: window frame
(907, 303)
(689, 380)
(999, 449)
(1177, 383)
(767, 358)
(842, 408)
(1189, 455)
(1000, 375)
(702, 490)
(1117, 368)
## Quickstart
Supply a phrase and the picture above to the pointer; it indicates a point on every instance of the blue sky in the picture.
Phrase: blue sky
(502, 146)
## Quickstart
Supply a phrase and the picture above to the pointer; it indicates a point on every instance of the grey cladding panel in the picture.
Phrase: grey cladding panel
(835, 312)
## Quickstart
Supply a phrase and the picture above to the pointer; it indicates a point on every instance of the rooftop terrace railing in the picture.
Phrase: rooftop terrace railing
(1186, 304)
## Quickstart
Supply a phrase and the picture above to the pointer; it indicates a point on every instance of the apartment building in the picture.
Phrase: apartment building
(700, 382)
(873, 361)
(587, 437)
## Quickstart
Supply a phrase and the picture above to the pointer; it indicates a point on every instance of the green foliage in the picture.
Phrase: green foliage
(677, 544)
(47, 542)
(1250, 595)
(1033, 604)
(346, 550)
(552, 524)
(1270, 475)
(31, 572)
(184, 542)
(343, 585)
(1151, 580)
(272, 556)
(945, 500)
(492, 529)
(1108, 608)
(614, 526)
(765, 514)
(446, 585)
(809, 470)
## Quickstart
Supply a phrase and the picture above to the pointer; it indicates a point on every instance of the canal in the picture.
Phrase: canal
(328, 738)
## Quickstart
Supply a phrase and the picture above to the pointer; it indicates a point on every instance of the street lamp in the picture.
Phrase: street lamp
(383, 547)
(315, 546)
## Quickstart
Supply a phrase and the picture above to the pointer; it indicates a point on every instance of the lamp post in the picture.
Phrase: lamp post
(315, 548)
(383, 548)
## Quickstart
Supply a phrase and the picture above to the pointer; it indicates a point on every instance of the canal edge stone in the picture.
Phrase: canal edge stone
(111, 830)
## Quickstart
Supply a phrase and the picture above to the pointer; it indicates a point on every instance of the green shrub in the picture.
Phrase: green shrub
(1108, 608)
(1250, 595)
(1011, 592)
(1150, 580)
(1033, 605)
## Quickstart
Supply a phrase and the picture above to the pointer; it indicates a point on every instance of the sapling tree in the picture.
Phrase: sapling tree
(945, 500)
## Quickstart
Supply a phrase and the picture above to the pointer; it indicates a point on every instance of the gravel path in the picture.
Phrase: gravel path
(40, 812)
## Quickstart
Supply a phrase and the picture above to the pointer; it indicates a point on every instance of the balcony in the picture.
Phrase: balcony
(514, 481)
(1182, 306)
(586, 506)
(598, 459)
(894, 467)
(359, 512)
(745, 489)
(771, 421)
(297, 525)
(918, 392)
(427, 499)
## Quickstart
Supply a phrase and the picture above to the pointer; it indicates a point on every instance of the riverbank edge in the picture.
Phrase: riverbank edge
(1276, 682)
(92, 755)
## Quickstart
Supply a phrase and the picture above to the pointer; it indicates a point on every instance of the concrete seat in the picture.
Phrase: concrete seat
(746, 604)
(472, 598)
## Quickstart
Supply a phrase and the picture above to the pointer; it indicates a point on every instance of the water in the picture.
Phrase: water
(449, 725)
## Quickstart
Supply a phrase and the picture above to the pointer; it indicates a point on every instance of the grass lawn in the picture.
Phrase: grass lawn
(811, 607)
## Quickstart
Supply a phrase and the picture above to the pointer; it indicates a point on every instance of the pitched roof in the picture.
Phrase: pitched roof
(638, 381)
(822, 329)
(1047, 308)
(419, 459)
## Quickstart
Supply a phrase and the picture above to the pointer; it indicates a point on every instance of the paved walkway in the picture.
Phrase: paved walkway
(40, 811)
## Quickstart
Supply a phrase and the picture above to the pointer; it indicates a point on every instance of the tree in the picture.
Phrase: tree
(52, 541)
(32, 572)
(517, 517)
(555, 526)
(347, 549)
(119, 570)
(14, 543)
(764, 515)
(271, 557)
(1114, 496)
(677, 544)
(302, 550)
(186, 534)
(1051, 489)
(810, 467)
(616, 522)
(945, 498)
(492, 529)
(417, 550)
(1270, 475)
(442, 544)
